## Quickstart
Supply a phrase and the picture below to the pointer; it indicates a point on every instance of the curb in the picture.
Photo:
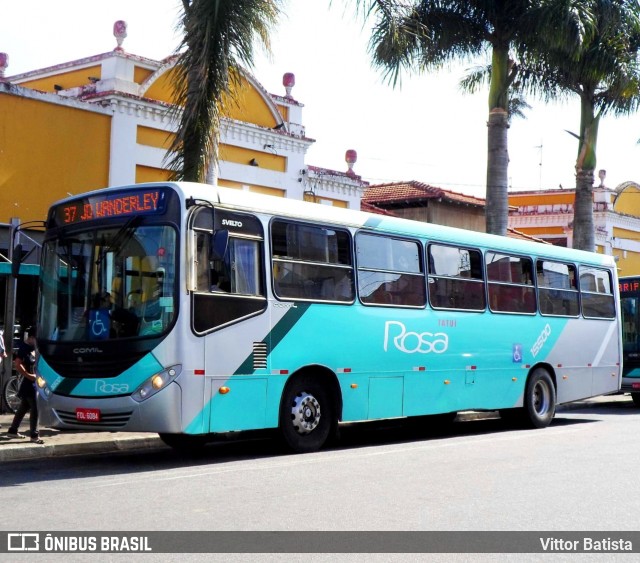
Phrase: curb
(21, 452)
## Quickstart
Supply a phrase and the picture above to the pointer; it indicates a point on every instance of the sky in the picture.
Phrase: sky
(425, 129)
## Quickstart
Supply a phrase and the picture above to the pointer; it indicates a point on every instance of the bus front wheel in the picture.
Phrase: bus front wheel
(307, 414)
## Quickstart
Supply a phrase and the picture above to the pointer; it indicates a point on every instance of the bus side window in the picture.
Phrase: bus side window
(311, 262)
(390, 271)
(557, 291)
(455, 278)
(229, 274)
(202, 261)
(510, 280)
(596, 290)
(242, 269)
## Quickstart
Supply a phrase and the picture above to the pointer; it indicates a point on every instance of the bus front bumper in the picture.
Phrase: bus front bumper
(630, 385)
(160, 413)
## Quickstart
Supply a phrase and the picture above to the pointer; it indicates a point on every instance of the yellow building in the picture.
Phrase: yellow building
(103, 121)
(548, 214)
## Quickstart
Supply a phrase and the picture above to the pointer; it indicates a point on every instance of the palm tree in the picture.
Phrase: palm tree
(431, 33)
(219, 37)
(606, 77)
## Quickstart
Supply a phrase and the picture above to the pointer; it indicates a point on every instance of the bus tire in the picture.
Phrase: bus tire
(539, 399)
(539, 403)
(307, 414)
(635, 397)
(184, 442)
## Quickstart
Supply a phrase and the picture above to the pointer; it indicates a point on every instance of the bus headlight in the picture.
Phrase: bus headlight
(155, 383)
(42, 385)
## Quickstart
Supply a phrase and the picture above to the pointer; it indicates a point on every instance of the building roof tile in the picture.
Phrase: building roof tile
(414, 191)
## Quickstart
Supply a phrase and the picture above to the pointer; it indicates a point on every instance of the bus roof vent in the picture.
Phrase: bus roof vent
(259, 355)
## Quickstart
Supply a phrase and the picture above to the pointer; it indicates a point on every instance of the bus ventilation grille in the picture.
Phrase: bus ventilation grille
(259, 355)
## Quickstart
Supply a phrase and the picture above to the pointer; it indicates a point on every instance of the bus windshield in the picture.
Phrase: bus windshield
(630, 323)
(108, 283)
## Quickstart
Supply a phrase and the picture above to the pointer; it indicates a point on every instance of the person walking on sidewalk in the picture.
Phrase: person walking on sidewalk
(3, 353)
(3, 350)
(24, 363)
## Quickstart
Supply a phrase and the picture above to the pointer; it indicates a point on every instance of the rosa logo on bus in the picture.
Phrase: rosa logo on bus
(412, 342)
(106, 387)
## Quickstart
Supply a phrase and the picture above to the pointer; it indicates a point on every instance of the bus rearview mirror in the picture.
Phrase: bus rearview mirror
(219, 244)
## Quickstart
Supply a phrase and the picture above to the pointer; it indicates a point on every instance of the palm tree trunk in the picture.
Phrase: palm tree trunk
(192, 146)
(583, 228)
(497, 205)
(497, 210)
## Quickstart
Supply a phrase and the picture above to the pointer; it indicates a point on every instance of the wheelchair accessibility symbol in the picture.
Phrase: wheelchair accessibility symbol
(99, 324)
(517, 353)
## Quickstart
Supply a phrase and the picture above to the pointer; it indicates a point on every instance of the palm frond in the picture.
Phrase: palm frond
(476, 78)
(219, 38)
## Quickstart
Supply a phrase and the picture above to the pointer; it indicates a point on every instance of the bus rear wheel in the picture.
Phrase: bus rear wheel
(539, 402)
(307, 414)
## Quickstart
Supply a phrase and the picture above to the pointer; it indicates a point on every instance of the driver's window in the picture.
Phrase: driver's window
(203, 282)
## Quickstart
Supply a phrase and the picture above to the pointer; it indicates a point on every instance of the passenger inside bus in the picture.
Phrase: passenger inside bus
(124, 321)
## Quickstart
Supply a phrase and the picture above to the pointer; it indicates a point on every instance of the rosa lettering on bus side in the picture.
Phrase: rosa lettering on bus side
(411, 342)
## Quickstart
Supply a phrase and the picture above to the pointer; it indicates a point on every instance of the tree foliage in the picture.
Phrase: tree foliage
(219, 39)
(606, 77)
(425, 35)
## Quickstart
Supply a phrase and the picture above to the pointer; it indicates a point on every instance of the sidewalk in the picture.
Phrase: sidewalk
(59, 443)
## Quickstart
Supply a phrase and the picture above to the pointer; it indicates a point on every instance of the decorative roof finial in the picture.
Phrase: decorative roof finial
(4, 63)
(602, 174)
(120, 32)
(351, 157)
(288, 81)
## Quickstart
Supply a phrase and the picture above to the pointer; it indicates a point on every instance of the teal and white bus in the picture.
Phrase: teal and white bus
(192, 310)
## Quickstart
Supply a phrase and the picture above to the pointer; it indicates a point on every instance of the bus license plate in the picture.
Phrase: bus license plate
(88, 415)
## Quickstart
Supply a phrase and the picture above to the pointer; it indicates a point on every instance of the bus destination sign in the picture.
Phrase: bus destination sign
(119, 204)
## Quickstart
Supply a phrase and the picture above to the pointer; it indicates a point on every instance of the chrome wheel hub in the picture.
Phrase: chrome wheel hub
(305, 413)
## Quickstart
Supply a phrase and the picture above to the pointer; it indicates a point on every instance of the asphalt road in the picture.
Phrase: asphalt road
(477, 475)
